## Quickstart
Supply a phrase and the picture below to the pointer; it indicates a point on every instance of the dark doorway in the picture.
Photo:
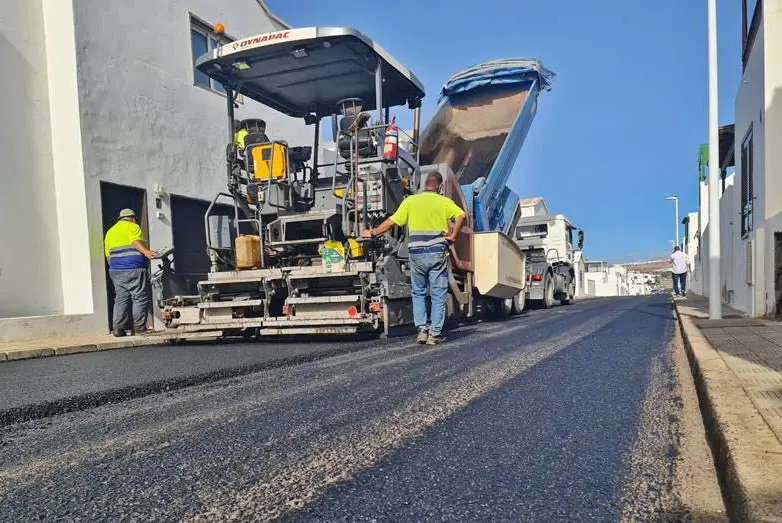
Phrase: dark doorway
(778, 272)
(191, 261)
(114, 198)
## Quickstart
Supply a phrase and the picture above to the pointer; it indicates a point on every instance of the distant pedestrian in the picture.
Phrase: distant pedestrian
(127, 256)
(679, 266)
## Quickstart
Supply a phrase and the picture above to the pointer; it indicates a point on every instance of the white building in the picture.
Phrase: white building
(639, 283)
(751, 208)
(532, 207)
(102, 109)
(579, 262)
(606, 279)
(691, 249)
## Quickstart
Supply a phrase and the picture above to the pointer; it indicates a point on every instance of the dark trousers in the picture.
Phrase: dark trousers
(680, 283)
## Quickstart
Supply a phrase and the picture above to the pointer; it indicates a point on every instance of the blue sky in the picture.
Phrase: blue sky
(621, 127)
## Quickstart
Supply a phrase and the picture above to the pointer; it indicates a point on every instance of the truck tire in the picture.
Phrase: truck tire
(571, 292)
(548, 292)
(502, 308)
(517, 303)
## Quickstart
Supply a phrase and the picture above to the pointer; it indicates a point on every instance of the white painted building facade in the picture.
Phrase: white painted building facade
(532, 207)
(639, 283)
(605, 279)
(691, 249)
(102, 98)
(751, 204)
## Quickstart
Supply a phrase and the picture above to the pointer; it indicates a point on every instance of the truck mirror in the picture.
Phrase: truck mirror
(580, 239)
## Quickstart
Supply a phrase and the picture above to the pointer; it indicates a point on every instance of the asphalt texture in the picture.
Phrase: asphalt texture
(563, 414)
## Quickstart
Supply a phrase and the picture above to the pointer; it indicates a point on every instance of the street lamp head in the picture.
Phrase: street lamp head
(672, 198)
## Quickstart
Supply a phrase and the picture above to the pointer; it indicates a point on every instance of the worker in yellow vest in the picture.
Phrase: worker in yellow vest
(427, 216)
(128, 263)
(240, 133)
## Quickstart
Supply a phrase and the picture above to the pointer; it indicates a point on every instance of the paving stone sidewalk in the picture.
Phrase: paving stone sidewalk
(751, 348)
(737, 368)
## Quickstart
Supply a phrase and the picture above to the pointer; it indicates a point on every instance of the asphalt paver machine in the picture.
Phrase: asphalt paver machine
(291, 260)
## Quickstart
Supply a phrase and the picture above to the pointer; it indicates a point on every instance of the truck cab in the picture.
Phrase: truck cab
(550, 246)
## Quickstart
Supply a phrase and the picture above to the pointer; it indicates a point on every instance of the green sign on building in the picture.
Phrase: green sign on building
(703, 162)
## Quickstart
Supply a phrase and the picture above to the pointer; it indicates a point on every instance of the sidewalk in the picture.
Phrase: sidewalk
(737, 366)
(91, 342)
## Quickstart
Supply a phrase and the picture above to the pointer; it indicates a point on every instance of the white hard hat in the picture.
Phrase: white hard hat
(127, 213)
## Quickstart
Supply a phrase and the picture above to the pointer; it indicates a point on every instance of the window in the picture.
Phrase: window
(594, 267)
(531, 231)
(747, 184)
(203, 39)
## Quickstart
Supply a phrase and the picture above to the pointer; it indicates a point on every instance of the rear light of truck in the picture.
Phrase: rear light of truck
(534, 277)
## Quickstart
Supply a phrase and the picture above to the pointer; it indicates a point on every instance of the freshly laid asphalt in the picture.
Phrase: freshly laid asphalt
(535, 418)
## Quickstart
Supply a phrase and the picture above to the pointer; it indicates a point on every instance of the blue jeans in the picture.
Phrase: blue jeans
(680, 283)
(131, 299)
(429, 270)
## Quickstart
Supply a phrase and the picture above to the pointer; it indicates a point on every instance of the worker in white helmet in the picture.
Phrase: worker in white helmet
(128, 258)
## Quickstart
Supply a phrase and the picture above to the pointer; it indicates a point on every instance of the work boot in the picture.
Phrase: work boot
(423, 336)
(118, 333)
(435, 340)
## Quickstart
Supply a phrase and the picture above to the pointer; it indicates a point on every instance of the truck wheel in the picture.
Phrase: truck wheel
(503, 308)
(548, 292)
(517, 303)
(571, 292)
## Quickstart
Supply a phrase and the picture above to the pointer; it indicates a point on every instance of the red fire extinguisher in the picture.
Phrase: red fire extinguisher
(391, 141)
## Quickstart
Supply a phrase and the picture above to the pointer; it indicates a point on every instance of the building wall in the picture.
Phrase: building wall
(772, 155)
(579, 263)
(30, 278)
(691, 249)
(733, 261)
(142, 122)
(638, 283)
(748, 263)
(527, 208)
(606, 280)
(749, 115)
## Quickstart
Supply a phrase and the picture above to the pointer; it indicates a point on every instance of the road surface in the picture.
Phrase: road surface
(576, 413)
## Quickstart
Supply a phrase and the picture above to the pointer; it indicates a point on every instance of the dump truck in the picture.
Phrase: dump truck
(291, 260)
(548, 243)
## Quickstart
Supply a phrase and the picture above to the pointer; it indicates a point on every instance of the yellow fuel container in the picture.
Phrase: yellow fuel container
(356, 248)
(248, 252)
(264, 166)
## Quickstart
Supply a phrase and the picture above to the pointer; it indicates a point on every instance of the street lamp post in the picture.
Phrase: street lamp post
(715, 299)
(676, 217)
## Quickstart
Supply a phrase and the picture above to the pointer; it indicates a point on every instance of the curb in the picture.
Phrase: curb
(45, 352)
(747, 454)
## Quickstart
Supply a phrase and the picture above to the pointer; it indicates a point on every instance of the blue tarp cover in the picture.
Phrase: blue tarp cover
(497, 72)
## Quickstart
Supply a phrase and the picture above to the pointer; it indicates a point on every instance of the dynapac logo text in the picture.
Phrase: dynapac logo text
(264, 38)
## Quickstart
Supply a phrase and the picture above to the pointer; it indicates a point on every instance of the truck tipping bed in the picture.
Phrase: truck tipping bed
(478, 129)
